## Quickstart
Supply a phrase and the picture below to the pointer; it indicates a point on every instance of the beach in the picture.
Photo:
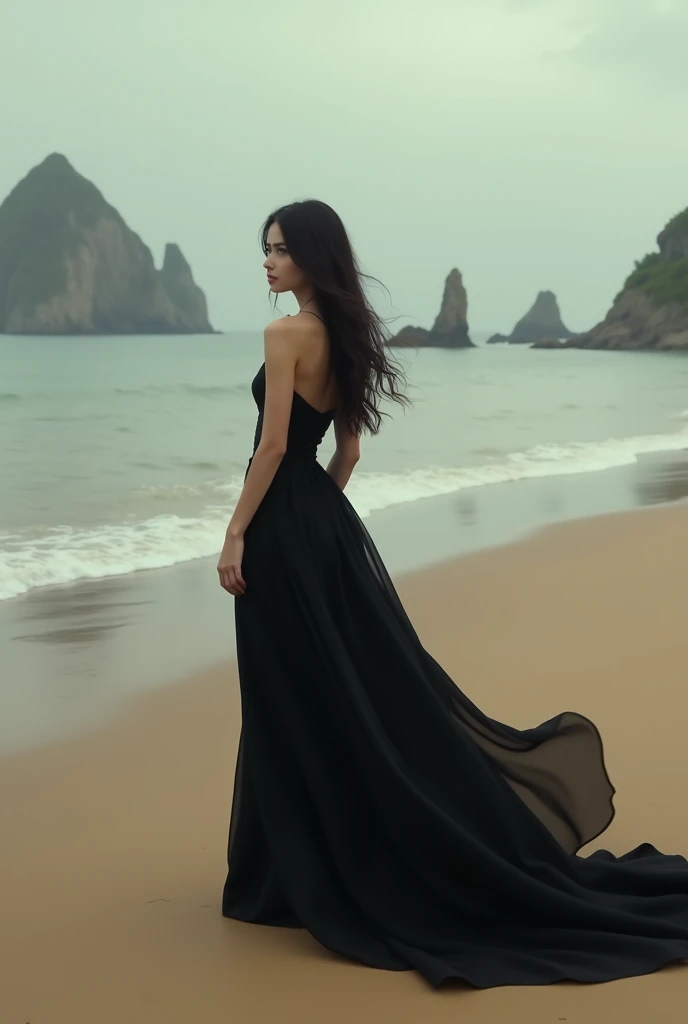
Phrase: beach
(470, 252)
(531, 509)
(114, 845)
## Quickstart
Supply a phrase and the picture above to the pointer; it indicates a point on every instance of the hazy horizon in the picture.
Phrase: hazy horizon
(534, 145)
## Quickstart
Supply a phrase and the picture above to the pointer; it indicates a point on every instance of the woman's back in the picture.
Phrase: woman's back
(314, 379)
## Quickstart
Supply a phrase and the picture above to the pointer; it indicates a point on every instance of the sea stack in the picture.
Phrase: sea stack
(181, 287)
(70, 265)
(542, 321)
(651, 310)
(450, 329)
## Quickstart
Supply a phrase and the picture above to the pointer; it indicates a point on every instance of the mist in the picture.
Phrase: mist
(534, 145)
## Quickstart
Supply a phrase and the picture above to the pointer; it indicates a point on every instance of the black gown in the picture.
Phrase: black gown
(377, 807)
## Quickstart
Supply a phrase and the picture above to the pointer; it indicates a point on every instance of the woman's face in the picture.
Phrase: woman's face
(283, 274)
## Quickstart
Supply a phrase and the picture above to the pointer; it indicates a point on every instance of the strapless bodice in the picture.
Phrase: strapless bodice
(307, 426)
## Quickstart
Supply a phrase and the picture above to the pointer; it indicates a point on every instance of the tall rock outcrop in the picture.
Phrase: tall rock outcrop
(651, 310)
(181, 287)
(543, 320)
(70, 265)
(450, 329)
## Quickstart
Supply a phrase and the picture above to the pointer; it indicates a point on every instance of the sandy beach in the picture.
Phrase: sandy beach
(114, 840)
(439, 229)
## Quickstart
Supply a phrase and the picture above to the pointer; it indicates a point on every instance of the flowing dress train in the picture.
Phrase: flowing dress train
(376, 806)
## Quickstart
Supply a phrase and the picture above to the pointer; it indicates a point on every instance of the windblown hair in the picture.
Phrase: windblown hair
(365, 374)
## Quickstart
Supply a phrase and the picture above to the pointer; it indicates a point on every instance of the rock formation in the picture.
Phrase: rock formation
(651, 310)
(450, 329)
(543, 320)
(549, 343)
(498, 339)
(181, 287)
(70, 265)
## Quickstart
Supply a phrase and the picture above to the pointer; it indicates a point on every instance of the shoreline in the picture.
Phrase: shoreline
(114, 858)
(75, 653)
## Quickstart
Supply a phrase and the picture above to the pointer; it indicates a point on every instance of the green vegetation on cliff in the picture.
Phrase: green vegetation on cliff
(663, 280)
(677, 224)
(663, 275)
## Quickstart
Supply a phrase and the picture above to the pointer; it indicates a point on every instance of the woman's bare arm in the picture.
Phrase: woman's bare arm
(346, 455)
(280, 365)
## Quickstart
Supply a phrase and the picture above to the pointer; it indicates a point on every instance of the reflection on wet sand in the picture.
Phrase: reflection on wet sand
(663, 480)
(71, 634)
(66, 657)
(466, 509)
(77, 605)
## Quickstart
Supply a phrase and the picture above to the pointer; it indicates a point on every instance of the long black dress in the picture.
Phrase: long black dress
(379, 808)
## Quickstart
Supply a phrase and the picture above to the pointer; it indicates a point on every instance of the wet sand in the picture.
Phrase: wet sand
(113, 853)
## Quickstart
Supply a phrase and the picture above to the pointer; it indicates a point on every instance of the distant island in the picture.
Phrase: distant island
(651, 310)
(541, 324)
(70, 265)
(450, 329)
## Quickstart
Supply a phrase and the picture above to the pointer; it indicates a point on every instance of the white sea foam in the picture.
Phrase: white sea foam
(371, 492)
(65, 554)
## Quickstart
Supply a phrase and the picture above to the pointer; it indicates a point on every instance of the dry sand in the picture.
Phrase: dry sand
(113, 852)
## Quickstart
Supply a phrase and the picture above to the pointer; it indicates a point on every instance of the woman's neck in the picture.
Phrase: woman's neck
(306, 299)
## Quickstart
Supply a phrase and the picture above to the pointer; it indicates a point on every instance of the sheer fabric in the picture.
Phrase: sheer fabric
(376, 806)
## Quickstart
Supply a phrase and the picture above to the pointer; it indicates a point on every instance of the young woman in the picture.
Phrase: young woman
(374, 804)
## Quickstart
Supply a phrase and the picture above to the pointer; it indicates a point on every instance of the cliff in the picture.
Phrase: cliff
(651, 310)
(70, 265)
(543, 320)
(450, 329)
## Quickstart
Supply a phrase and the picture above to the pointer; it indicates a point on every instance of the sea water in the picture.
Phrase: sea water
(125, 453)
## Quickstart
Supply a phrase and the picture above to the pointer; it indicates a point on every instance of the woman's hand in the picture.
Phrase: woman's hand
(229, 566)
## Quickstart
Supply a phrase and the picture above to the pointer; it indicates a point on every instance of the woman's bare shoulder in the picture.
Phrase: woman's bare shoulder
(278, 324)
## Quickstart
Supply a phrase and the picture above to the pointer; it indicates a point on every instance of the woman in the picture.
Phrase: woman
(374, 804)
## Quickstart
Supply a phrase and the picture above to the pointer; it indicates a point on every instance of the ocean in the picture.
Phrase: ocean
(119, 454)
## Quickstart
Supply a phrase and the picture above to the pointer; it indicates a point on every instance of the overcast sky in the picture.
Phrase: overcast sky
(532, 143)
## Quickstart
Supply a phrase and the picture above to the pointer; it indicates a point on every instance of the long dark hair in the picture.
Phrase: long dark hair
(318, 243)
